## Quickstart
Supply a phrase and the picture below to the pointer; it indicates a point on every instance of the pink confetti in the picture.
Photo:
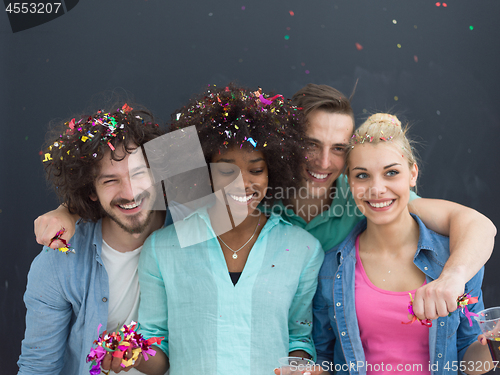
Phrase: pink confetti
(292, 13)
(287, 250)
(438, 4)
(415, 57)
(243, 7)
(307, 71)
(359, 46)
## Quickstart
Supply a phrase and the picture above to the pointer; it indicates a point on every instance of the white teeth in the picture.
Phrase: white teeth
(319, 176)
(383, 204)
(131, 205)
(240, 198)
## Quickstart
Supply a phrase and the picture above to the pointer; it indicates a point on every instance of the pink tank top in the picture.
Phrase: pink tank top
(390, 347)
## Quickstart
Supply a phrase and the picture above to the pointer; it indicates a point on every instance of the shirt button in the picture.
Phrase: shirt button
(104, 299)
(343, 333)
(440, 355)
(337, 304)
(441, 324)
(425, 268)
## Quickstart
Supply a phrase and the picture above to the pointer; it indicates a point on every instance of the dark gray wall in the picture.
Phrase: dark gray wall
(444, 76)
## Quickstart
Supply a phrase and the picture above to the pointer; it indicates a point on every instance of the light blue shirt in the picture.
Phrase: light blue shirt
(214, 327)
(66, 299)
(336, 331)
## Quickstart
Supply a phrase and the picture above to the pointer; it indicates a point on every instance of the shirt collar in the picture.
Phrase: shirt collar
(272, 220)
(426, 242)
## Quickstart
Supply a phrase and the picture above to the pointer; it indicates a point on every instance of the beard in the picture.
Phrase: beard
(132, 224)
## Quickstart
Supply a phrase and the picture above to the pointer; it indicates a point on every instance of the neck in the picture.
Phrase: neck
(121, 240)
(248, 225)
(400, 234)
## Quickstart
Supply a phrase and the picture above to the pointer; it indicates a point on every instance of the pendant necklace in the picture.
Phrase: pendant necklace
(235, 256)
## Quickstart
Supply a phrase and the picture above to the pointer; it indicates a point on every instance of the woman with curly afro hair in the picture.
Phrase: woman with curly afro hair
(238, 297)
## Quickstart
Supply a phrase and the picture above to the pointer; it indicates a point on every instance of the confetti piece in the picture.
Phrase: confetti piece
(445, 5)
(415, 58)
(396, 98)
(394, 22)
(399, 45)
(307, 71)
(243, 7)
(67, 246)
(438, 4)
(287, 37)
(118, 343)
(287, 250)
(359, 46)
(471, 27)
(292, 13)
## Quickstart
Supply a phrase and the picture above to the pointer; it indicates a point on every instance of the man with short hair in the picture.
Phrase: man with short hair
(100, 174)
(324, 206)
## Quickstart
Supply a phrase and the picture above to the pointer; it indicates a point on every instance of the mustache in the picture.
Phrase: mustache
(122, 201)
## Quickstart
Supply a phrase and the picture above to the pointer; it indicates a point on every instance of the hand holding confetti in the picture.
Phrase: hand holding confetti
(67, 246)
(462, 302)
(117, 343)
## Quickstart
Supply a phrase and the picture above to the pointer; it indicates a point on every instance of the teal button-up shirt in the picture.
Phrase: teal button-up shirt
(214, 327)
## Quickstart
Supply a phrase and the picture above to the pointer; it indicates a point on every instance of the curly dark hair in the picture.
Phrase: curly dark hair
(75, 148)
(237, 117)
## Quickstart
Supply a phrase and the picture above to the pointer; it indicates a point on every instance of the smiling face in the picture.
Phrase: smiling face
(325, 140)
(123, 188)
(225, 168)
(380, 178)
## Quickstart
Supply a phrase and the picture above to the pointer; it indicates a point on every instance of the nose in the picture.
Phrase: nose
(377, 187)
(323, 159)
(128, 191)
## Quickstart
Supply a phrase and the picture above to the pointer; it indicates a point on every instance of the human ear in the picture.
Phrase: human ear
(413, 175)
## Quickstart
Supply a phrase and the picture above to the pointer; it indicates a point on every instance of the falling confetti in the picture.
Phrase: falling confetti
(399, 45)
(396, 98)
(292, 13)
(287, 37)
(394, 22)
(307, 71)
(359, 46)
(243, 7)
(471, 27)
(415, 57)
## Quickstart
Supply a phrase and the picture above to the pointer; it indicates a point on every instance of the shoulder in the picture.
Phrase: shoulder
(430, 240)
(281, 227)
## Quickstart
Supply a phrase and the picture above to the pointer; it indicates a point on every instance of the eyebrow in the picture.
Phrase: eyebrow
(386, 167)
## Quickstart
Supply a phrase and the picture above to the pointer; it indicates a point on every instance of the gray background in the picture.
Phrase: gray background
(444, 76)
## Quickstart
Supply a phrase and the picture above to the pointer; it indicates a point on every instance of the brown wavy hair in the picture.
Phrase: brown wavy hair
(75, 148)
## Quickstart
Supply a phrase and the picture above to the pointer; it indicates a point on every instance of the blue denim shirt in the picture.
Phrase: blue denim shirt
(66, 299)
(335, 324)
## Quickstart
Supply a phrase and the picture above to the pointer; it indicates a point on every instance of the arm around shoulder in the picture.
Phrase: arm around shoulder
(472, 238)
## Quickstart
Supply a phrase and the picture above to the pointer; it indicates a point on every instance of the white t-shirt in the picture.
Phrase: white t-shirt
(124, 290)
